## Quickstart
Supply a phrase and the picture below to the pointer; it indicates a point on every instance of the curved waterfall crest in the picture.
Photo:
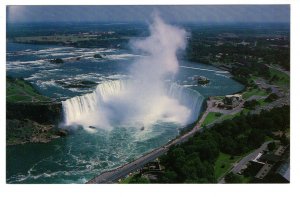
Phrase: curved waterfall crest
(101, 107)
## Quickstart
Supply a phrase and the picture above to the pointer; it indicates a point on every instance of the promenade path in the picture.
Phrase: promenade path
(114, 175)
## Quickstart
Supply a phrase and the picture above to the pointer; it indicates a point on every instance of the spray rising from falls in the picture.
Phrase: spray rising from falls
(108, 106)
(147, 98)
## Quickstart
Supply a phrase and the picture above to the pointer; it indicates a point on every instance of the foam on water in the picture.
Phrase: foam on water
(98, 108)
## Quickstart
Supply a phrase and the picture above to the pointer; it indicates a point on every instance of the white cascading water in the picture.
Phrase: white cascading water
(77, 107)
(91, 109)
(146, 99)
(187, 97)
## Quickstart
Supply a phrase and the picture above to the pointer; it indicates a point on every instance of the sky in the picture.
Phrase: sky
(139, 13)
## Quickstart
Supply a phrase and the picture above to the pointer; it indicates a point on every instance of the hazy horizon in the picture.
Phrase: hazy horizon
(205, 14)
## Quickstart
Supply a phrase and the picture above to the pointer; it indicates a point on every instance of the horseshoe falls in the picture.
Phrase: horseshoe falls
(113, 104)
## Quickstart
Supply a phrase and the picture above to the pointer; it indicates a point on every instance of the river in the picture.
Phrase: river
(82, 155)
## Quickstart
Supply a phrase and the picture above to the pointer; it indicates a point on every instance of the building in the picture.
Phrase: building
(264, 171)
(284, 170)
(274, 163)
(232, 101)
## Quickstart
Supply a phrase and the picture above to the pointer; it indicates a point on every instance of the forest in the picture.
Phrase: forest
(193, 161)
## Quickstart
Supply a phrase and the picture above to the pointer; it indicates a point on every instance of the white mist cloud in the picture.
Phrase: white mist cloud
(163, 43)
(147, 92)
(145, 99)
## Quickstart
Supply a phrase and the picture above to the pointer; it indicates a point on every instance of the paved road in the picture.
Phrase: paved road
(240, 165)
(278, 103)
(114, 175)
(237, 168)
(256, 97)
(118, 173)
(279, 69)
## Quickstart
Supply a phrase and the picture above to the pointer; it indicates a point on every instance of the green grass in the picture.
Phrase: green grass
(284, 79)
(126, 180)
(219, 97)
(223, 163)
(262, 102)
(18, 90)
(230, 116)
(247, 94)
(211, 116)
(134, 179)
(245, 179)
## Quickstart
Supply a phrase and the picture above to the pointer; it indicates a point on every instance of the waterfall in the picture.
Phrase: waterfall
(187, 97)
(76, 107)
(85, 108)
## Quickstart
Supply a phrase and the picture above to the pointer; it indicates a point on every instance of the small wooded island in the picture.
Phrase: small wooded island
(202, 80)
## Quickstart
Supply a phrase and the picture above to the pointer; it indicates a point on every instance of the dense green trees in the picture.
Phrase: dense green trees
(233, 178)
(206, 47)
(137, 178)
(193, 161)
(271, 146)
(251, 104)
(272, 97)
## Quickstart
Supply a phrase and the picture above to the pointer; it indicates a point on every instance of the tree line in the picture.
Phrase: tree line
(194, 160)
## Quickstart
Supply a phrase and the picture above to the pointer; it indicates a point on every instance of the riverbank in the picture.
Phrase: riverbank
(113, 175)
(120, 172)
(30, 116)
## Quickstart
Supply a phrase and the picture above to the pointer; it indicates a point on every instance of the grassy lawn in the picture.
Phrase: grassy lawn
(223, 163)
(211, 116)
(219, 97)
(126, 180)
(247, 94)
(262, 102)
(230, 116)
(245, 179)
(284, 79)
(21, 91)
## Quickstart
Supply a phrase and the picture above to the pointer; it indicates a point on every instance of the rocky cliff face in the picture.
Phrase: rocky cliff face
(33, 122)
(25, 131)
(43, 113)
(30, 116)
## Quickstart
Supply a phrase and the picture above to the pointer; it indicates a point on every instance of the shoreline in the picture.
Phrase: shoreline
(155, 153)
(182, 137)
(181, 134)
(30, 116)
